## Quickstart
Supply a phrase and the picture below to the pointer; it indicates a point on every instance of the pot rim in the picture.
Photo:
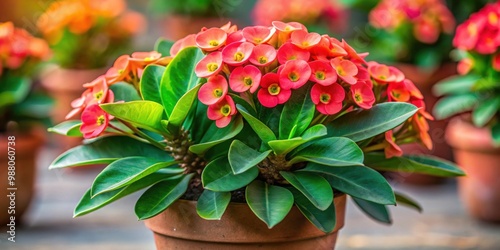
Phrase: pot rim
(462, 134)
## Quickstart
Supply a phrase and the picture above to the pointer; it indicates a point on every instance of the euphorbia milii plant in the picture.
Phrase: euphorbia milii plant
(262, 111)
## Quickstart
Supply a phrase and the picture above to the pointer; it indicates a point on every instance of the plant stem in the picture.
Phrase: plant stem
(375, 147)
(144, 135)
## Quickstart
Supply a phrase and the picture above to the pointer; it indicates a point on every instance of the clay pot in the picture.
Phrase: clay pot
(64, 86)
(176, 26)
(26, 148)
(475, 154)
(179, 227)
(425, 80)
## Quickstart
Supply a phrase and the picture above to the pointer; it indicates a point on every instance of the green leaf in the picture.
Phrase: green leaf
(358, 181)
(363, 124)
(270, 203)
(150, 83)
(106, 150)
(405, 200)
(375, 211)
(160, 196)
(163, 46)
(242, 157)
(182, 108)
(313, 186)
(88, 204)
(179, 77)
(36, 105)
(125, 92)
(218, 176)
(13, 89)
(211, 205)
(452, 105)
(68, 128)
(332, 151)
(495, 133)
(455, 85)
(285, 146)
(142, 114)
(485, 111)
(215, 135)
(413, 164)
(263, 131)
(127, 170)
(323, 220)
(298, 112)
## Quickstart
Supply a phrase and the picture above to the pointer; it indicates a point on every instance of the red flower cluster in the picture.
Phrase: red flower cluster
(17, 46)
(480, 34)
(429, 18)
(126, 68)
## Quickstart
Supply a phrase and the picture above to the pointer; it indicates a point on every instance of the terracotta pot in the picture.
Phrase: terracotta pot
(178, 26)
(65, 85)
(476, 155)
(179, 227)
(26, 148)
(425, 80)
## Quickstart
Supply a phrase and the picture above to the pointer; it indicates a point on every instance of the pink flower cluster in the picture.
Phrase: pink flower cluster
(126, 68)
(480, 34)
(429, 18)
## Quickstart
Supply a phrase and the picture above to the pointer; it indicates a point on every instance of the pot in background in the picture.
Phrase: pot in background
(480, 159)
(180, 227)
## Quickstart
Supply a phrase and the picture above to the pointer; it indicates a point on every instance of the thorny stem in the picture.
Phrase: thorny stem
(144, 135)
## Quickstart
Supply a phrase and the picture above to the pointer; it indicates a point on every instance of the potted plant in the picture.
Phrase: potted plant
(84, 36)
(475, 136)
(258, 131)
(321, 16)
(21, 107)
(183, 17)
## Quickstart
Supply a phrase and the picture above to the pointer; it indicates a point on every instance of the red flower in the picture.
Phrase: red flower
(141, 59)
(271, 92)
(391, 148)
(210, 65)
(94, 121)
(328, 99)
(363, 95)
(466, 64)
(188, 41)
(120, 70)
(263, 55)
(222, 111)
(236, 54)
(305, 40)
(294, 74)
(245, 78)
(211, 39)
(213, 91)
(322, 73)
(235, 37)
(397, 91)
(346, 69)
(289, 52)
(488, 41)
(258, 34)
(467, 33)
(495, 62)
(288, 27)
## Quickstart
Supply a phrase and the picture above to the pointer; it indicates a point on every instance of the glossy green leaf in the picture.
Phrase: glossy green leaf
(485, 111)
(218, 176)
(332, 151)
(88, 204)
(263, 131)
(142, 114)
(150, 83)
(163, 46)
(414, 164)
(285, 146)
(313, 186)
(453, 105)
(297, 114)
(375, 211)
(68, 128)
(495, 133)
(211, 205)
(358, 181)
(402, 199)
(323, 220)
(106, 150)
(127, 170)
(363, 124)
(179, 77)
(13, 89)
(160, 196)
(182, 108)
(215, 135)
(242, 157)
(270, 203)
(124, 92)
(455, 85)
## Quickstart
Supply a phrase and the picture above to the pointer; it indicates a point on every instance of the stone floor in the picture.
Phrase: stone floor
(48, 224)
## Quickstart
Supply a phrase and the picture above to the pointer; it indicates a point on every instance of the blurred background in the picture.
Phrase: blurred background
(68, 48)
